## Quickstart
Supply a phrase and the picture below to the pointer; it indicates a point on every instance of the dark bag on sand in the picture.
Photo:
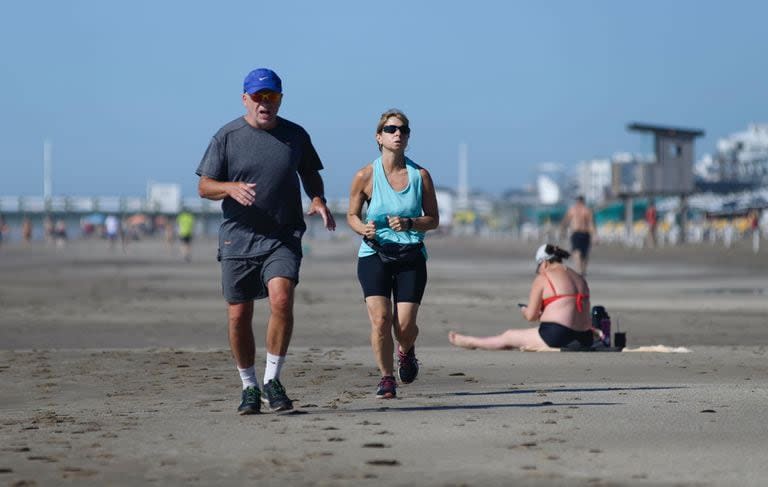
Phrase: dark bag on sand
(393, 252)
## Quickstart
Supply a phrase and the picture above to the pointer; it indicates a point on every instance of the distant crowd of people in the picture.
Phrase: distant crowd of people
(113, 228)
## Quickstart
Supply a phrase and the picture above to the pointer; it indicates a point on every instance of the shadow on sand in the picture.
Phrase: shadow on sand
(392, 407)
(472, 407)
(564, 389)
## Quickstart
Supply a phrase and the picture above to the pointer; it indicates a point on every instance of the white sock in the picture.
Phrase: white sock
(248, 376)
(272, 369)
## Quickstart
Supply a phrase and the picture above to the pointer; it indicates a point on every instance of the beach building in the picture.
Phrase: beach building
(594, 180)
(741, 157)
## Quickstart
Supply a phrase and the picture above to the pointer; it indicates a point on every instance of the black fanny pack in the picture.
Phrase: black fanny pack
(394, 252)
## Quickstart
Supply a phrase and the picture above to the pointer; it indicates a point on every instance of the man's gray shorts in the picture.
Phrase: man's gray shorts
(244, 280)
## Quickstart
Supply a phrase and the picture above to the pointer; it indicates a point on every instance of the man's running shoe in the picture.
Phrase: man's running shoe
(408, 366)
(251, 401)
(387, 388)
(274, 397)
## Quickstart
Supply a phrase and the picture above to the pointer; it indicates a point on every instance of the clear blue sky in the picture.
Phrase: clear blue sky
(133, 91)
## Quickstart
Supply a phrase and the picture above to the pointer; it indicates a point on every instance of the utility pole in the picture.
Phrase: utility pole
(47, 171)
(463, 177)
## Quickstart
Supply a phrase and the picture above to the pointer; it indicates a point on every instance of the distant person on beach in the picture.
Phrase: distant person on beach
(3, 228)
(651, 220)
(48, 229)
(392, 260)
(252, 165)
(559, 300)
(754, 227)
(580, 222)
(185, 224)
(112, 230)
(169, 234)
(60, 233)
(26, 230)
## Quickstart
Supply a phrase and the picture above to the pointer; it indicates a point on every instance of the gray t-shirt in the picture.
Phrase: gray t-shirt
(272, 159)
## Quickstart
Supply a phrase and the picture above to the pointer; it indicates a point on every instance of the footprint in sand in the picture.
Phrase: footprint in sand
(15, 449)
(527, 445)
(318, 454)
(383, 463)
(42, 458)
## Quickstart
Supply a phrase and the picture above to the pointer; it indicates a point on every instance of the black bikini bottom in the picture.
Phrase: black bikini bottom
(556, 335)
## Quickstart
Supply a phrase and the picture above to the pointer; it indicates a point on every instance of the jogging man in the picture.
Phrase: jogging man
(254, 164)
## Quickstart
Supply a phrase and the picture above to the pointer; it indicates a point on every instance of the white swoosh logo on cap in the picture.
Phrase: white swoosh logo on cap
(262, 79)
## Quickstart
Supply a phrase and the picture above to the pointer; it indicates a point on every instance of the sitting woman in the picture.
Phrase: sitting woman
(559, 300)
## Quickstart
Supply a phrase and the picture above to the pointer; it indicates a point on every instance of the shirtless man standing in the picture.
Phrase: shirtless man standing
(581, 223)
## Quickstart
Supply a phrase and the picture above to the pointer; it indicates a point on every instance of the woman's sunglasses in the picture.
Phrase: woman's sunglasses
(391, 129)
(262, 96)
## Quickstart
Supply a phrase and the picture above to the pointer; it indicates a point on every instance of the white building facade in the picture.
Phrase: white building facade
(594, 180)
(740, 157)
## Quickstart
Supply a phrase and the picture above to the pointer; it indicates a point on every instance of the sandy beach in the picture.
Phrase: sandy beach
(115, 370)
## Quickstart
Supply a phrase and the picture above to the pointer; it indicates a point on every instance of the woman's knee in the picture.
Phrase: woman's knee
(380, 321)
(408, 327)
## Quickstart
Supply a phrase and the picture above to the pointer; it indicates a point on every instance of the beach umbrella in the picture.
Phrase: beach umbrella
(137, 219)
(94, 218)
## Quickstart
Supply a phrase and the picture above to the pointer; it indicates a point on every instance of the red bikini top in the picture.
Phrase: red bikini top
(579, 297)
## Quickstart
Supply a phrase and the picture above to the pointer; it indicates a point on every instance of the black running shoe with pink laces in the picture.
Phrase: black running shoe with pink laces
(408, 366)
(387, 388)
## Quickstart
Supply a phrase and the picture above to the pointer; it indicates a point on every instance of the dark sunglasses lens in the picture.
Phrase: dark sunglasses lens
(391, 129)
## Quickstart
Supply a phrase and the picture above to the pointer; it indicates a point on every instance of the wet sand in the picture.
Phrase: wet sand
(115, 369)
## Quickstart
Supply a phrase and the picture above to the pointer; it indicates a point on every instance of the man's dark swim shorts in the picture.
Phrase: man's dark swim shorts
(246, 279)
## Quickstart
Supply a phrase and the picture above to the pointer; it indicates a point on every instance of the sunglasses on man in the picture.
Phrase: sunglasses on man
(265, 96)
(391, 129)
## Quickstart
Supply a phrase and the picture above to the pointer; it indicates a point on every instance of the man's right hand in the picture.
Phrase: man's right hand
(242, 192)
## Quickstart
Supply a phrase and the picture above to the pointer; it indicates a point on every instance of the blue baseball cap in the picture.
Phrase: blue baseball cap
(262, 79)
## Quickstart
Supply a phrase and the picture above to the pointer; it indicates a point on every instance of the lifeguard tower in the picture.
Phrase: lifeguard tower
(668, 173)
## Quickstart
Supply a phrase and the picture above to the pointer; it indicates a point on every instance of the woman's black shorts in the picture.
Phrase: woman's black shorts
(405, 282)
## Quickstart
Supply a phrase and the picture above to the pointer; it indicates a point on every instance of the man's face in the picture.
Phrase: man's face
(262, 107)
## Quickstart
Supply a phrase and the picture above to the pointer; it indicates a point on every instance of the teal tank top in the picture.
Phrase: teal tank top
(386, 201)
